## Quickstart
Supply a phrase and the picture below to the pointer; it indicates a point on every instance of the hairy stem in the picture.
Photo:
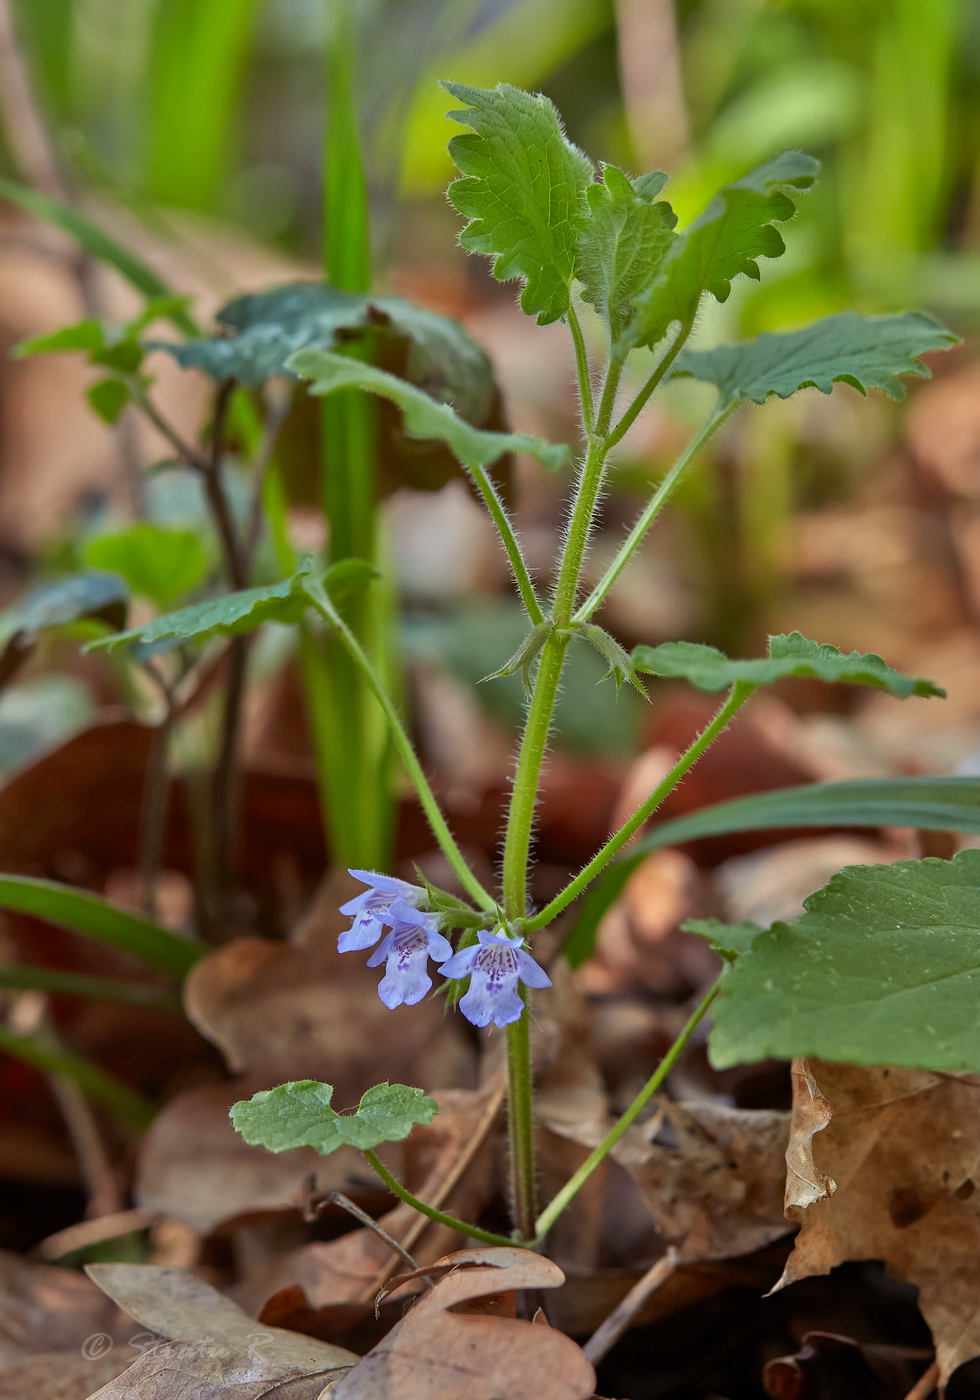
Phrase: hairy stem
(642, 398)
(582, 369)
(656, 504)
(520, 1099)
(595, 1158)
(403, 744)
(439, 1216)
(509, 541)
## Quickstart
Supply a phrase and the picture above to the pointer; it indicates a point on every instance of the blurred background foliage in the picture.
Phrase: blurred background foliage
(213, 106)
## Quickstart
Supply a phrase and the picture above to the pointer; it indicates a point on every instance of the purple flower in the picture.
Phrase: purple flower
(371, 911)
(412, 941)
(494, 966)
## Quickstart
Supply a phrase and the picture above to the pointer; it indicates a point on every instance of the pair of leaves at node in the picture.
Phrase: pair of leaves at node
(298, 1114)
(883, 968)
(108, 346)
(621, 668)
(534, 207)
(790, 654)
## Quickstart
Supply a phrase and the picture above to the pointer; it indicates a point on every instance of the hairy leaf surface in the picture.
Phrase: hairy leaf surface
(623, 243)
(424, 417)
(789, 655)
(867, 352)
(883, 968)
(298, 1114)
(523, 191)
(736, 229)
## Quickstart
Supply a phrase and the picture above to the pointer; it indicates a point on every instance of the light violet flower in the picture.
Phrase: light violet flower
(371, 909)
(413, 939)
(494, 966)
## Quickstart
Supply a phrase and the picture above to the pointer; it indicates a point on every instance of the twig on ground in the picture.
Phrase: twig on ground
(926, 1383)
(316, 1202)
(605, 1337)
(91, 1232)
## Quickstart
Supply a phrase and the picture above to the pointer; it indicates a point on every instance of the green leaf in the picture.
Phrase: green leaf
(225, 617)
(94, 917)
(732, 941)
(926, 804)
(789, 655)
(883, 968)
(424, 417)
(97, 595)
(85, 335)
(157, 563)
(621, 667)
(108, 398)
(622, 245)
(524, 191)
(299, 1115)
(736, 229)
(97, 243)
(867, 352)
(123, 354)
(260, 332)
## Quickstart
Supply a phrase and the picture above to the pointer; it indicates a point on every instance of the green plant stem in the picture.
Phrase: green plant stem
(582, 369)
(520, 1125)
(656, 504)
(640, 402)
(736, 699)
(509, 541)
(403, 744)
(439, 1216)
(595, 1158)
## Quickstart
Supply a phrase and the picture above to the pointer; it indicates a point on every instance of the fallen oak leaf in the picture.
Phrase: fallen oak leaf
(209, 1347)
(903, 1147)
(435, 1354)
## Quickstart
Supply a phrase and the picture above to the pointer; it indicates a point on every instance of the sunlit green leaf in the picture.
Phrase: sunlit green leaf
(299, 1115)
(227, 616)
(108, 398)
(736, 229)
(867, 352)
(424, 417)
(157, 563)
(623, 243)
(789, 655)
(523, 191)
(883, 968)
(85, 335)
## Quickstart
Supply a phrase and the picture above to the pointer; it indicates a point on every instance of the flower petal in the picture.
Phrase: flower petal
(364, 932)
(439, 947)
(405, 981)
(491, 1000)
(529, 972)
(461, 963)
(383, 950)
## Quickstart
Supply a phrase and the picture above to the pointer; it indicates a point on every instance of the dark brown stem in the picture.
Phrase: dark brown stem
(153, 814)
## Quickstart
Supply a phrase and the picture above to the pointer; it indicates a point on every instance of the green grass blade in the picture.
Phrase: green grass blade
(97, 243)
(928, 804)
(130, 1108)
(22, 977)
(94, 917)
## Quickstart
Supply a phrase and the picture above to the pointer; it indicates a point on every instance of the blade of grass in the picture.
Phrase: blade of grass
(94, 917)
(130, 1108)
(25, 978)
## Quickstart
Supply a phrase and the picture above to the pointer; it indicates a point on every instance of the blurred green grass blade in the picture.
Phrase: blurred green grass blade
(22, 977)
(45, 30)
(94, 917)
(130, 1108)
(927, 804)
(97, 243)
(197, 55)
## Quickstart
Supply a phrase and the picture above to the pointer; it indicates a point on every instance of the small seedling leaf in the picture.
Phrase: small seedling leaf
(736, 229)
(867, 352)
(157, 562)
(299, 1115)
(883, 968)
(424, 417)
(789, 655)
(108, 398)
(523, 191)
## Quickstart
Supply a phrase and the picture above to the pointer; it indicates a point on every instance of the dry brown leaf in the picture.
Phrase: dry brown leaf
(435, 1354)
(805, 1182)
(211, 1348)
(904, 1149)
(59, 1336)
